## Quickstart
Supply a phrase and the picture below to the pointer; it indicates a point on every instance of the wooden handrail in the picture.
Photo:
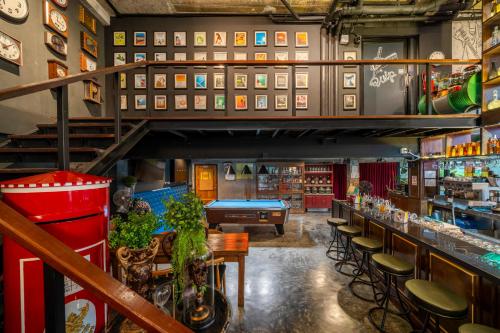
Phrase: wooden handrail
(63, 259)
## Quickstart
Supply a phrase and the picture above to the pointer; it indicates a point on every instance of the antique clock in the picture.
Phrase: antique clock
(61, 3)
(92, 91)
(11, 49)
(14, 10)
(55, 19)
(87, 20)
(57, 69)
(56, 43)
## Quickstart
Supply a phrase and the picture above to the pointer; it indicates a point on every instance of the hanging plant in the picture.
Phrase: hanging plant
(129, 181)
(365, 187)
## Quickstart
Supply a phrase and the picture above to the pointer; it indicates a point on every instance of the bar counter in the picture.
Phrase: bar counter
(438, 257)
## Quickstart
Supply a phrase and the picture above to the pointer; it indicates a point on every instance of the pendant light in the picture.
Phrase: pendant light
(263, 170)
(230, 171)
(246, 170)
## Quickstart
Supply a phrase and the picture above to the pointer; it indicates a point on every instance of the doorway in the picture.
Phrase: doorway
(206, 182)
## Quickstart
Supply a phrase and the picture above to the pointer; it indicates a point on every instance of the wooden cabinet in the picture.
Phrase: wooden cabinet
(319, 185)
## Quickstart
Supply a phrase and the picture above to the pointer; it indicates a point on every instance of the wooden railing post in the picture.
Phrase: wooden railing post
(118, 114)
(62, 128)
(53, 290)
(428, 77)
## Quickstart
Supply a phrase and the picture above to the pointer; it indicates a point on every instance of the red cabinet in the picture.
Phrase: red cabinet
(318, 184)
(319, 200)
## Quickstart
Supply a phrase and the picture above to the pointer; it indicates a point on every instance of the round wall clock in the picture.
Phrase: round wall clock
(10, 49)
(14, 10)
(55, 19)
(56, 43)
(61, 3)
(436, 55)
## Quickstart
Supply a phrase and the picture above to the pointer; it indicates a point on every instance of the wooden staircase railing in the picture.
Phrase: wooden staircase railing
(66, 261)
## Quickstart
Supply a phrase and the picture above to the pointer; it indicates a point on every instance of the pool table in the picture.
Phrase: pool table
(248, 212)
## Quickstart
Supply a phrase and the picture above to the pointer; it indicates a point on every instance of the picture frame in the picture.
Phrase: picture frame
(123, 102)
(140, 102)
(261, 102)
(349, 102)
(301, 101)
(220, 56)
(301, 56)
(260, 56)
(220, 39)
(200, 102)
(160, 81)
(139, 56)
(240, 39)
(350, 55)
(119, 38)
(86, 63)
(88, 44)
(219, 102)
(301, 39)
(92, 91)
(280, 38)
(180, 81)
(281, 102)
(119, 58)
(179, 38)
(219, 81)
(180, 102)
(200, 81)
(242, 56)
(87, 19)
(260, 81)
(240, 81)
(56, 43)
(240, 102)
(260, 38)
(56, 69)
(200, 38)
(180, 56)
(140, 38)
(160, 56)
(281, 56)
(349, 80)
(200, 56)
(280, 80)
(301, 80)
(123, 80)
(140, 81)
(160, 38)
(160, 102)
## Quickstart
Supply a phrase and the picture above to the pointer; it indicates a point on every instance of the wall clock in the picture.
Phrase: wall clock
(61, 3)
(89, 44)
(87, 20)
(11, 49)
(14, 10)
(56, 43)
(92, 91)
(57, 69)
(55, 19)
(87, 64)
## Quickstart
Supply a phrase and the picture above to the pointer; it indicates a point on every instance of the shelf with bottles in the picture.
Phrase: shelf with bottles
(313, 190)
(433, 147)
(319, 168)
(492, 99)
(464, 143)
(491, 140)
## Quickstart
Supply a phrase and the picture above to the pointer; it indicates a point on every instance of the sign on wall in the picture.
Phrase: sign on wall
(466, 41)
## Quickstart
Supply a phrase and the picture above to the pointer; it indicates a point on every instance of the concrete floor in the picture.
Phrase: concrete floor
(296, 289)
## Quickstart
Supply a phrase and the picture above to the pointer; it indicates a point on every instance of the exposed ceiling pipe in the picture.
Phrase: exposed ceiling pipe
(290, 9)
(399, 10)
(398, 19)
(302, 19)
(331, 12)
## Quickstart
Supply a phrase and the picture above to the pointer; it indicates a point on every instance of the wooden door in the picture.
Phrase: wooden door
(206, 182)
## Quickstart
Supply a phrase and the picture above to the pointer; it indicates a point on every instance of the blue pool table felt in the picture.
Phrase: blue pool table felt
(249, 204)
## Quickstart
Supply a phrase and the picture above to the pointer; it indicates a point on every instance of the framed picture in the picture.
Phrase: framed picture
(181, 102)
(200, 38)
(280, 38)
(180, 56)
(281, 102)
(92, 91)
(139, 38)
(281, 56)
(240, 56)
(123, 102)
(301, 56)
(119, 38)
(140, 102)
(349, 80)
(88, 44)
(140, 81)
(57, 69)
(200, 81)
(200, 102)
(219, 81)
(219, 102)
(280, 80)
(160, 102)
(180, 38)
(349, 102)
(160, 81)
(240, 102)
(123, 80)
(260, 102)
(160, 38)
(86, 63)
(160, 56)
(350, 55)
(180, 81)
(240, 81)
(220, 56)
(240, 38)
(261, 56)
(119, 58)
(301, 102)
(220, 38)
(200, 56)
(139, 56)
(301, 39)
(56, 43)
(260, 81)
(87, 19)
(302, 80)
(260, 38)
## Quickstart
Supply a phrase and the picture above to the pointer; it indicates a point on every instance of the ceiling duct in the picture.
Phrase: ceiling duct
(416, 9)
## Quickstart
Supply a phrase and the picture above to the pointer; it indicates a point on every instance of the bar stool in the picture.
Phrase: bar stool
(476, 328)
(367, 247)
(436, 300)
(392, 268)
(334, 223)
(348, 231)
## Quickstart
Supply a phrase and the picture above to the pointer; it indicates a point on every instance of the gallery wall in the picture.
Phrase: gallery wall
(20, 115)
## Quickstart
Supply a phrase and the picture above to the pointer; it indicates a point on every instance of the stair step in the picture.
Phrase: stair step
(55, 136)
(47, 150)
(85, 127)
(46, 154)
(84, 124)
(26, 170)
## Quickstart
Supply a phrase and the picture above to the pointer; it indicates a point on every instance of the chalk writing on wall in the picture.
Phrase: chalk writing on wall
(381, 76)
(466, 41)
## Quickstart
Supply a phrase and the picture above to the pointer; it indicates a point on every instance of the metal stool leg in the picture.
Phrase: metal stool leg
(358, 272)
(346, 260)
(384, 305)
(334, 245)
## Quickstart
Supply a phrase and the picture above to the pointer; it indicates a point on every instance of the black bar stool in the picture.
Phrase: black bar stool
(367, 247)
(335, 244)
(392, 268)
(348, 231)
(436, 300)
(476, 328)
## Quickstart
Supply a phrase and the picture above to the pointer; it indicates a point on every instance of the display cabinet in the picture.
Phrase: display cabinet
(318, 185)
(433, 147)
(491, 55)
(491, 140)
(464, 143)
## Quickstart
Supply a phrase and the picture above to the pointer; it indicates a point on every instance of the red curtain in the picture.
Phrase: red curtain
(340, 181)
(381, 175)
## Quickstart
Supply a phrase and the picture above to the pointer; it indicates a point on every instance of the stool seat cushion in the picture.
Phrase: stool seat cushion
(390, 264)
(349, 230)
(437, 299)
(477, 328)
(336, 221)
(369, 244)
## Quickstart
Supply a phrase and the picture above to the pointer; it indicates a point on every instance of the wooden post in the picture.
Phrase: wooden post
(62, 128)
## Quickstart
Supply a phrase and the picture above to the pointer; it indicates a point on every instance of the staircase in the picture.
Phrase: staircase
(91, 139)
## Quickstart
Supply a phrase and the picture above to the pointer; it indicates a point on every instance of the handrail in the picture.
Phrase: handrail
(60, 257)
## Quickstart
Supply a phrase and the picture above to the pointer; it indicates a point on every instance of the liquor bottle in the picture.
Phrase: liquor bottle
(494, 35)
(494, 103)
(493, 72)
(496, 147)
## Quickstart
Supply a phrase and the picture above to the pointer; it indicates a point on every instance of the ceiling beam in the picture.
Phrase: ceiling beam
(257, 133)
(230, 133)
(302, 134)
(179, 134)
(290, 9)
(275, 133)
